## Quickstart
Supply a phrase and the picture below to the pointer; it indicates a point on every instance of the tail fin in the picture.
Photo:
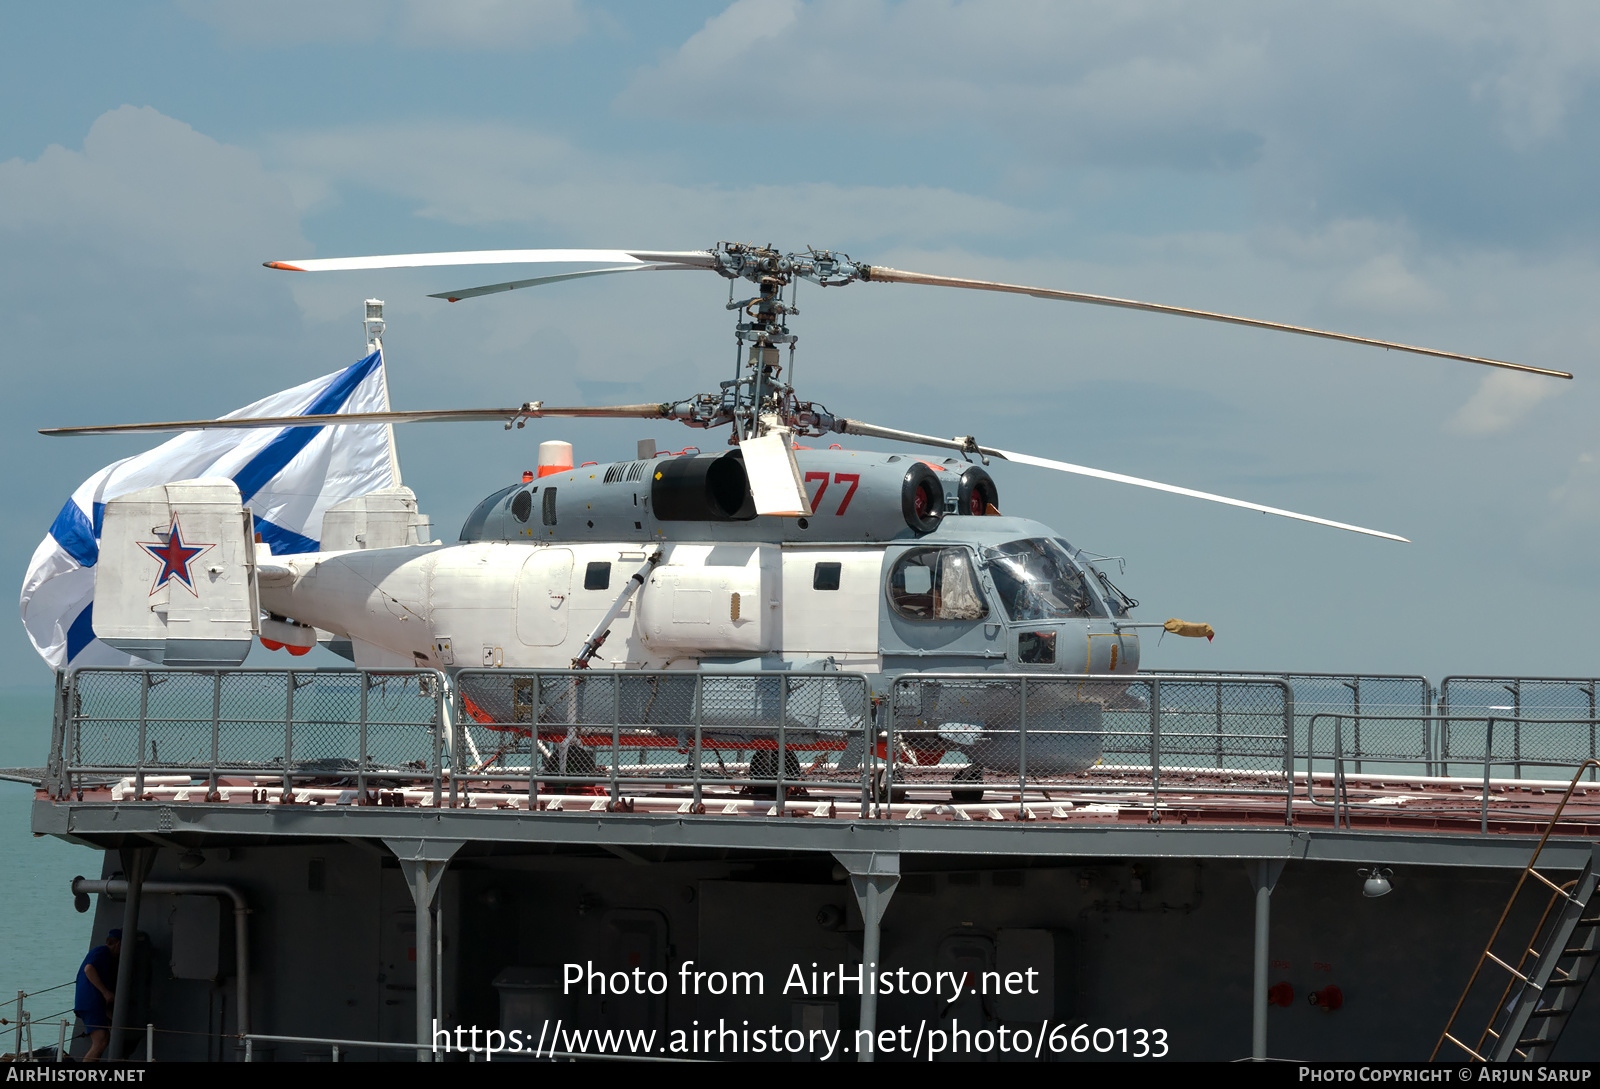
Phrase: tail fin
(385, 518)
(176, 583)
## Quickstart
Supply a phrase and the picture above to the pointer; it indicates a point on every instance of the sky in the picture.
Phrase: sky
(1421, 172)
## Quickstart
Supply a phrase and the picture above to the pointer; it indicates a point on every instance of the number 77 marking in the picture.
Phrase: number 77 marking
(852, 479)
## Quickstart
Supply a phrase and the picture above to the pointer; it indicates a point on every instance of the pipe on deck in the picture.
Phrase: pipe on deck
(241, 928)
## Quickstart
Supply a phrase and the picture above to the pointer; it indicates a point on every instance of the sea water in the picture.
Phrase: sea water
(42, 939)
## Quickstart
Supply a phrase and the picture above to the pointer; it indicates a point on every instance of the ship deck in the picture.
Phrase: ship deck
(1413, 821)
(1228, 766)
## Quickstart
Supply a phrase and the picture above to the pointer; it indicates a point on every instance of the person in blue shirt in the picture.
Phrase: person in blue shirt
(97, 980)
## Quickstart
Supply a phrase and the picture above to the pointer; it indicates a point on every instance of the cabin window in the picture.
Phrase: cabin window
(826, 576)
(1037, 580)
(936, 584)
(597, 576)
(549, 511)
(522, 506)
(1036, 648)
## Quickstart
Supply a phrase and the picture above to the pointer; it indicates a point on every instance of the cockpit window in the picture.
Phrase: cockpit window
(1037, 580)
(472, 530)
(1118, 602)
(936, 584)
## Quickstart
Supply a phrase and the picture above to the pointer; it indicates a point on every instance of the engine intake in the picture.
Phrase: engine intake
(702, 488)
(977, 492)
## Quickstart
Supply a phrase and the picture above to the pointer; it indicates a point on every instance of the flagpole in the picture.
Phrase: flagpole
(374, 325)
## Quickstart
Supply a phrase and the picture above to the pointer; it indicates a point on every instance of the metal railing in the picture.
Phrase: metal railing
(20, 1023)
(1476, 754)
(339, 726)
(600, 732)
(534, 739)
(1089, 735)
(1387, 702)
(1519, 701)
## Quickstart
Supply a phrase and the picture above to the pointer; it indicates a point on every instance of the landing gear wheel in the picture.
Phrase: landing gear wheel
(969, 774)
(880, 790)
(764, 765)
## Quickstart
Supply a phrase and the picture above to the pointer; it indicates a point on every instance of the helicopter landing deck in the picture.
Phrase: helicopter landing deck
(636, 760)
(1365, 804)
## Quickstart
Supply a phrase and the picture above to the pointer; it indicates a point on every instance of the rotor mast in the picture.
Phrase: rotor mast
(758, 388)
(760, 396)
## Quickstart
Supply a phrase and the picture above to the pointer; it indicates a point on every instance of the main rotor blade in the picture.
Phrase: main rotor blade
(880, 274)
(533, 410)
(692, 258)
(474, 292)
(968, 445)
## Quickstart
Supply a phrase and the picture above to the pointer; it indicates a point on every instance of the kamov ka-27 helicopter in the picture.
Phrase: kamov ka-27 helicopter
(767, 555)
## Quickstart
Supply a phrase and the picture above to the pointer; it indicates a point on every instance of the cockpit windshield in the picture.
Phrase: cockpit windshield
(1116, 600)
(1037, 580)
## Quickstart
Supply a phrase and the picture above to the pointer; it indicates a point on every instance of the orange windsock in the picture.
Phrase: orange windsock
(1190, 628)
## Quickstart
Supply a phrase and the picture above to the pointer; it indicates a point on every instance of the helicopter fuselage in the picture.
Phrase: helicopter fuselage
(875, 579)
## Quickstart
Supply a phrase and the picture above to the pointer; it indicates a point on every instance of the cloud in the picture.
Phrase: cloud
(1068, 81)
(1560, 538)
(743, 27)
(1384, 285)
(416, 24)
(1550, 63)
(479, 174)
(130, 289)
(130, 282)
(1577, 498)
(1367, 110)
(1503, 400)
(488, 24)
(146, 192)
(150, 229)
(1336, 242)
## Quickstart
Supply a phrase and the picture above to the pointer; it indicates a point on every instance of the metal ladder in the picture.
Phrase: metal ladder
(1549, 978)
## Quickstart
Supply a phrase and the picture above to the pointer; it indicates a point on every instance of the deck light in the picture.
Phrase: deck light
(1377, 881)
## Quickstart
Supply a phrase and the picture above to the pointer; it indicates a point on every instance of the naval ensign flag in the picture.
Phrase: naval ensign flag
(288, 477)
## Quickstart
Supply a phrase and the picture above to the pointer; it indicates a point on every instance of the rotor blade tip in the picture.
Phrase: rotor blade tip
(284, 265)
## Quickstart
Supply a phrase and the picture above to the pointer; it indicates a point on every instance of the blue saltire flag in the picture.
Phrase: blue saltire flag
(288, 477)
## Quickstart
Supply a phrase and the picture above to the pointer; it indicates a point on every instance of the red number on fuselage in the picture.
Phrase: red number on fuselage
(816, 500)
(853, 479)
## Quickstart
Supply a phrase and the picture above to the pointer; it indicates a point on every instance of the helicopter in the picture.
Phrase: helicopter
(767, 555)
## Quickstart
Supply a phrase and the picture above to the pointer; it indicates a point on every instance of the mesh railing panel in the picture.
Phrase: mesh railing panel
(1391, 705)
(1567, 736)
(606, 732)
(305, 723)
(587, 728)
(960, 732)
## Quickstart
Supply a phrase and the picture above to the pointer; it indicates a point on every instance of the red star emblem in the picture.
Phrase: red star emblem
(175, 557)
